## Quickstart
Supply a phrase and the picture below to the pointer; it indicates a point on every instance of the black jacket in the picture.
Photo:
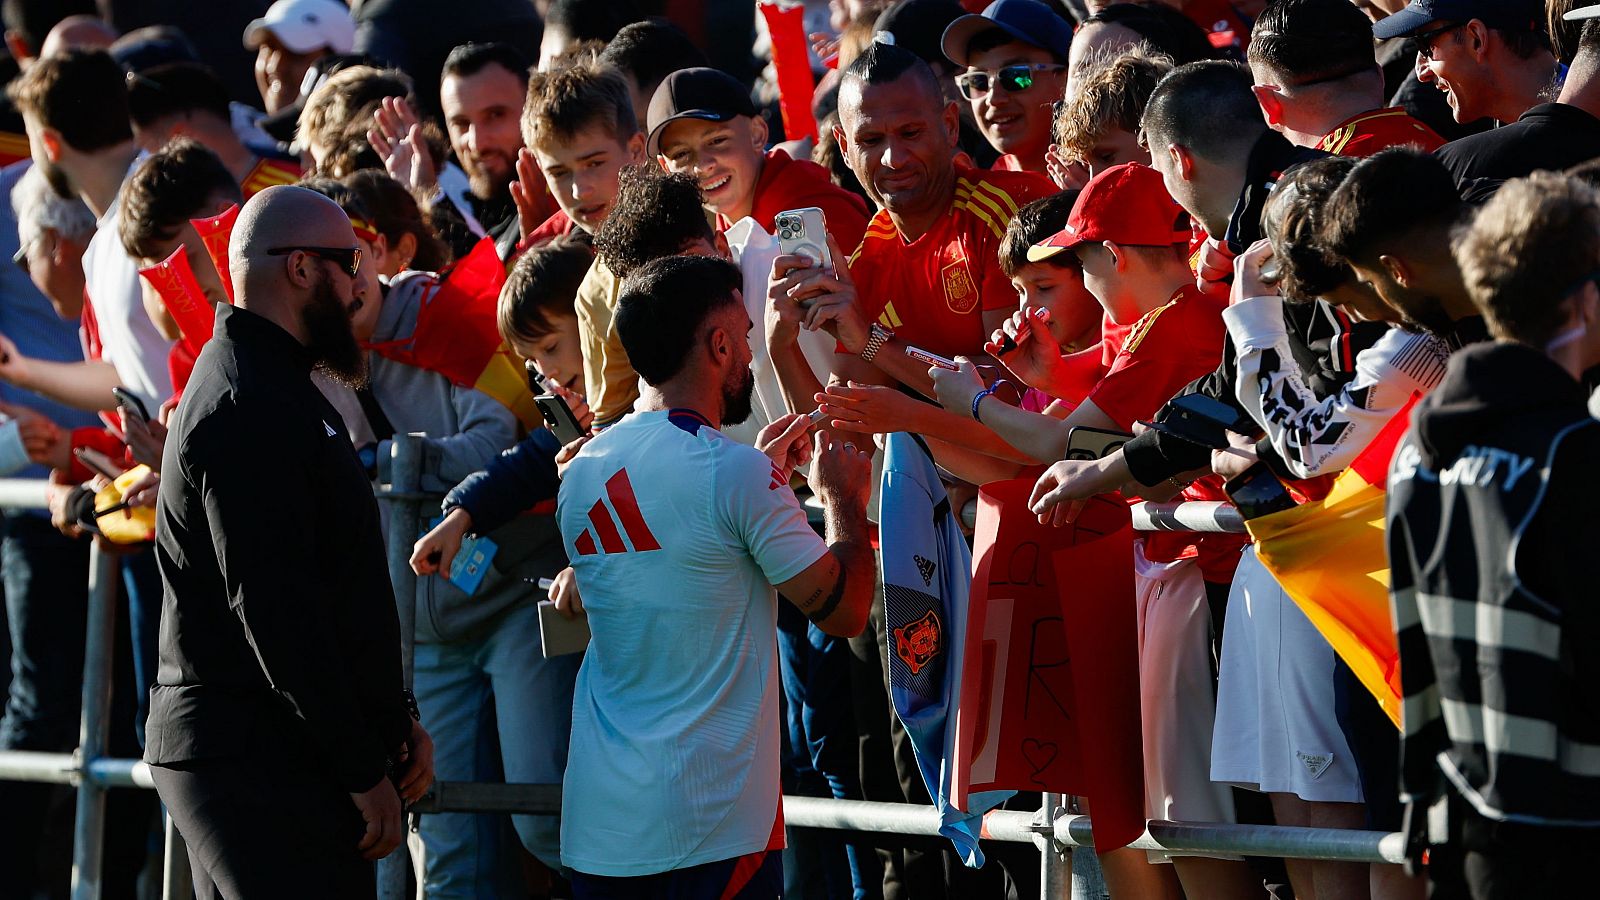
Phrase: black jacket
(1491, 523)
(1551, 136)
(278, 623)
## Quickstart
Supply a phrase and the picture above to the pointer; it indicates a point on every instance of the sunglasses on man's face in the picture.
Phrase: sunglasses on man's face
(1424, 41)
(1011, 79)
(346, 258)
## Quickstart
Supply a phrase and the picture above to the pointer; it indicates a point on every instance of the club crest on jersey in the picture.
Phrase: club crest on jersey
(917, 643)
(960, 294)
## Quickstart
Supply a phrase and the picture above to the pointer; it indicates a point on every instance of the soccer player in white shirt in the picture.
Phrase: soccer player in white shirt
(678, 536)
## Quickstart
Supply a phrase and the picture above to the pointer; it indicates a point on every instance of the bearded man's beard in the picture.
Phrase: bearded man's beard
(330, 340)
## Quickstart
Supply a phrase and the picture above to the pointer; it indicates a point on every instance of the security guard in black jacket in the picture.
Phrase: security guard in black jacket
(279, 733)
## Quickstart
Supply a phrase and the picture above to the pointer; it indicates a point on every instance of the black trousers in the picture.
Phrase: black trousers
(1488, 860)
(266, 827)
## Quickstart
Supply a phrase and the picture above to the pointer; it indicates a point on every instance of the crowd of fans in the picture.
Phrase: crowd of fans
(1300, 218)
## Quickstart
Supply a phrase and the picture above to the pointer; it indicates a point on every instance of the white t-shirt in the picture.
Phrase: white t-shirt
(128, 339)
(677, 535)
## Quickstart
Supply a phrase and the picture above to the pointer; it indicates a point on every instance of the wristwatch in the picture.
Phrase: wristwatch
(877, 336)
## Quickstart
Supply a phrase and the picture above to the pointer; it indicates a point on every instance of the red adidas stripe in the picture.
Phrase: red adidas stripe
(620, 490)
(600, 518)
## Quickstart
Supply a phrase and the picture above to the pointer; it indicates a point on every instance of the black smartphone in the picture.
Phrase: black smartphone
(1201, 420)
(559, 418)
(1085, 443)
(131, 405)
(1256, 492)
(97, 462)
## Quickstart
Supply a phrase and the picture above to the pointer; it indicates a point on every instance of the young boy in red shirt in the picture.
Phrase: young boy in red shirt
(702, 122)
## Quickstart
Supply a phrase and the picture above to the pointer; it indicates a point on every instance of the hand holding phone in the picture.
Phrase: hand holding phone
(97, 462)
(130, 404)
(804, 232)
(1257, 492)
(559, 418)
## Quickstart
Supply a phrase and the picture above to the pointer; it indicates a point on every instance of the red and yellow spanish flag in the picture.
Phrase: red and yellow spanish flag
(1330, 555)
(457, 336)
(214, 234)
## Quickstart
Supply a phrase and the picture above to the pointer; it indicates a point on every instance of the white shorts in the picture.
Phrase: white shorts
(1177, 704)
(1277, 730)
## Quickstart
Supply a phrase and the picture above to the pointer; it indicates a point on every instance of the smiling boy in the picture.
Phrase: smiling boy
(702, 122)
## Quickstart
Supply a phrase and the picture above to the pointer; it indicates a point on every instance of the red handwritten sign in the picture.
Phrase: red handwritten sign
(1050, 690)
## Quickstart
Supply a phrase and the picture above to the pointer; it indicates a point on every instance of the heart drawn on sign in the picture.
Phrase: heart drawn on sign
(1039, 755)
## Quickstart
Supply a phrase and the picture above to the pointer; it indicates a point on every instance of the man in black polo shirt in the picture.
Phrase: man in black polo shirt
(279, 716)
(1549, 136)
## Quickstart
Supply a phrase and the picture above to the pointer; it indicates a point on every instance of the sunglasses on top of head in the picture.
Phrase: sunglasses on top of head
(346, 258)
(1013, 79)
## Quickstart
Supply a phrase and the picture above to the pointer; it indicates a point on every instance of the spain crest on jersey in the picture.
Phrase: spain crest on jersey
(959, 291)
(918, 642)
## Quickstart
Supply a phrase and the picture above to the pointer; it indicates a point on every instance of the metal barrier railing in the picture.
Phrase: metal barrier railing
(1050, 828)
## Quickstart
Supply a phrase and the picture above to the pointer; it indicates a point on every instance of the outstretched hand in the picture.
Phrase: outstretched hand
(396, 136)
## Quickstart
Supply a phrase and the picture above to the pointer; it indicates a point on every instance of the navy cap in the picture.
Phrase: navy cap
(1028, 21)
(1520, 15)
(697, 93)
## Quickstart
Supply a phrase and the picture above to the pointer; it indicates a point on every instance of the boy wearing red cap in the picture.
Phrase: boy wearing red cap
(702, 122)
(1131, 238)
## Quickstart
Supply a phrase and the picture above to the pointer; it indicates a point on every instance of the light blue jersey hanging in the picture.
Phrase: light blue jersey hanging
(927, 572)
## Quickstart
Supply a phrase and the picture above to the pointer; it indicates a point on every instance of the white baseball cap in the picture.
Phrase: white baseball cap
(1583, 12)
(304, 26)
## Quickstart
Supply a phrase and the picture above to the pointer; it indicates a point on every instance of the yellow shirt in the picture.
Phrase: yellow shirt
(613, 385)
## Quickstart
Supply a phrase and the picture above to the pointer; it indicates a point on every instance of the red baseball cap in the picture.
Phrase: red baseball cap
(1126, 204)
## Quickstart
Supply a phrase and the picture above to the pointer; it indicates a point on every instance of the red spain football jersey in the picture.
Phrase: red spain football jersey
(1166, 349)
(932, 292)
(1379, 129)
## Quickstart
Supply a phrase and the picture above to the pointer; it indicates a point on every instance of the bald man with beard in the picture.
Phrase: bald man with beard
(280, 734)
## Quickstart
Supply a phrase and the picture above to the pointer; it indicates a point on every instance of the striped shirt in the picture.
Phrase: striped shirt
(932, 291)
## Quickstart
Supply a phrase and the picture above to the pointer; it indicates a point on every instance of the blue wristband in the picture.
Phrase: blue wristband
(978, 398)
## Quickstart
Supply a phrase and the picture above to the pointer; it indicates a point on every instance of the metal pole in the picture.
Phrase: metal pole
(177, 881)
(405, 521)
(88, 839)
(1055, 860)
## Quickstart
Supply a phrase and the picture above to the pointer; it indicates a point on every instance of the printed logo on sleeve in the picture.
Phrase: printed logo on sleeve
(917, 643)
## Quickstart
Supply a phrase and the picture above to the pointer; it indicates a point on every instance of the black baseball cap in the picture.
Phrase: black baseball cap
(1519, 15)
(697, 93)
